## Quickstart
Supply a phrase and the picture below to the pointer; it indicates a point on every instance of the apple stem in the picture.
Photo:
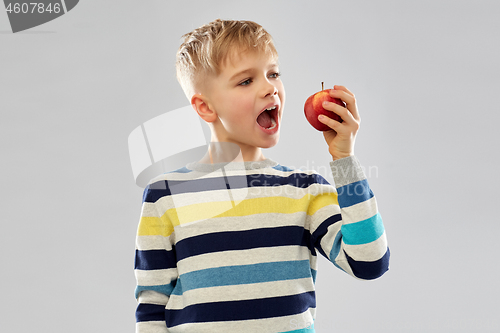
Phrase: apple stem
(322, 87)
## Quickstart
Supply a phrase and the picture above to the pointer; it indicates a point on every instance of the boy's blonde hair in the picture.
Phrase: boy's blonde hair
(205, 50)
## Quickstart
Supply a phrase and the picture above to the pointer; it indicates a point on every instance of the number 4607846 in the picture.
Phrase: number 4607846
(35, 8)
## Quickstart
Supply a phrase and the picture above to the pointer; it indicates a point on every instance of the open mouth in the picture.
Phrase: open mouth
(268, 118)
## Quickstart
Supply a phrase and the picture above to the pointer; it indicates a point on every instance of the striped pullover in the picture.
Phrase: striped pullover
(233, 247)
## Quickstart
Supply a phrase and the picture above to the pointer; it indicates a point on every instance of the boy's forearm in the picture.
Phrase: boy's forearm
(151, 294)
(363, 235)
(151, 327)
(346, 170)
(155, 266)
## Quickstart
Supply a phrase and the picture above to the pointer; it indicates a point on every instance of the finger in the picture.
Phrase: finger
(332, 123)
(343, 95)
(339, 128)
(343, 129)
(348, 98)
(341, 111)
(344, 89)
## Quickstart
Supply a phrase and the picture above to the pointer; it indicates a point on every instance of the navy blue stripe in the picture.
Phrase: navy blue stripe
(242, 310)
(369, 270)
(154, 259)
(162, 188)
(321, 230)
(300, 180)
(149, 312)
(242, 240)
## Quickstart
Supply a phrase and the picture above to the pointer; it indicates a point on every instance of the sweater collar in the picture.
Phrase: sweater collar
(250, 165)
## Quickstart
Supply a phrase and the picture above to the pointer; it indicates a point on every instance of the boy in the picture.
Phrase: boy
(230, 243)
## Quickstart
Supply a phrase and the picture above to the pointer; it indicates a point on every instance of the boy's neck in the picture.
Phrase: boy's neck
(225, 152)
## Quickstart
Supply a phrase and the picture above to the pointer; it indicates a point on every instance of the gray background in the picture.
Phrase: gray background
(426, 77)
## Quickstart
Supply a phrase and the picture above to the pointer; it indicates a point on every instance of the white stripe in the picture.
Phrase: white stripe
(240, 292)
(313, 262)
(341, 260)
(152, 297)
(360, 211)
(151, 327)
(155, 277)
(240, 223)
(148, 210)
(153, 242)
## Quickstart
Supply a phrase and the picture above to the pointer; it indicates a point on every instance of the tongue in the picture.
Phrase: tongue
(264, 119)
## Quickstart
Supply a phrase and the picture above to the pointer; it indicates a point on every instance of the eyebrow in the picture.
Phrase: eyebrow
(250, 70)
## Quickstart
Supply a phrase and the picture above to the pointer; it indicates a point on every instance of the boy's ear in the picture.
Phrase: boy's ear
(200, 105)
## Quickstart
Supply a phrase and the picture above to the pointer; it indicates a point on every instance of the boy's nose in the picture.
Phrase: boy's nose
(271, 90)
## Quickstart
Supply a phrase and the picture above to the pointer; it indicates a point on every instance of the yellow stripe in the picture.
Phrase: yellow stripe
(321, 201)
(164, 226)
(152, 226)
(284, 205)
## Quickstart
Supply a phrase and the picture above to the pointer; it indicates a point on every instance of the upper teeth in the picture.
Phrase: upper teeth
(271, 108)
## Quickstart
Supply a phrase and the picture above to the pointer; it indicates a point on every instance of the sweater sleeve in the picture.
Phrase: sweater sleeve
(352, 236)
(155, 264)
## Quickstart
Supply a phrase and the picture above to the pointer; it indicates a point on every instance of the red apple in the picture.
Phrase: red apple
(314, 107)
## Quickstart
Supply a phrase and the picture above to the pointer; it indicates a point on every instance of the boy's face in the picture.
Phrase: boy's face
(246, 86)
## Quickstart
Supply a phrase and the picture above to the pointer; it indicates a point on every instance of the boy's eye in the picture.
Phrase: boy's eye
(275, 75)
(249, 80)
(246, 82)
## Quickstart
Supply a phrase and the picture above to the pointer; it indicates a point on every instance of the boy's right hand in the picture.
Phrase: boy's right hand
(341, 137)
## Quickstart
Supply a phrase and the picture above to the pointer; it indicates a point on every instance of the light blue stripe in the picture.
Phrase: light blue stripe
(314, 273)
(354, 193)
(164, 289)
(181, 170)
(282, 168)
(308, 329)
(244, 274)
(336, 247)
(363, 232)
